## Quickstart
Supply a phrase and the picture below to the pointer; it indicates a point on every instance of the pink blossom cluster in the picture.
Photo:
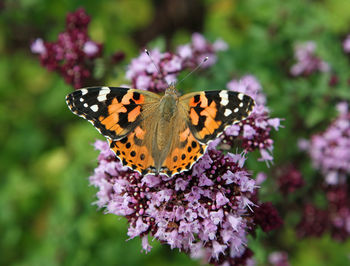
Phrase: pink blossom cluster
(73, 55)
(207, 210)
(330, 150)
(333, 219)
(254, 132)
(330, 154)
(346, 44)
(290, 179)
(145, 75)
(279, 258)
(307, 62)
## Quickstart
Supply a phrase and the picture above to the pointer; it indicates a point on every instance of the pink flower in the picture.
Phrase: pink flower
(38, 47)
(188, 211)
(254, 132)
(330, 150)
(90, 48)
(346, 44)
(73, 55)
(307, 60)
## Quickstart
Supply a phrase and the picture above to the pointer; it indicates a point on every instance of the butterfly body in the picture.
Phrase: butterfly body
(159, 134)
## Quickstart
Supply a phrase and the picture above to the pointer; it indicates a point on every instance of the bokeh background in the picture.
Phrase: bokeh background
(46, 211)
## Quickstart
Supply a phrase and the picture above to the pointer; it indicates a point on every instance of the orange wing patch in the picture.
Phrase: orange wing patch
(183, 156)
(121, 113)
(133, 155)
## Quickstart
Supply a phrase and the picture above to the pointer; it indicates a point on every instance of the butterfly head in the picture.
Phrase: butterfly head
(172, 91)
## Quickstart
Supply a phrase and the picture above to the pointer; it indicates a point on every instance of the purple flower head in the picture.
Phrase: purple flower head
(339, 211)
(208, 208)
(346, 44)
(199, 48)
(307, 60)
(314, 222)
(38, 47)
(91, 48)
(330, 150)
(73, 55)
(279, 258)
(290, 180)
(334, 218)
(145, 75)
(267, 217)
(254, 132)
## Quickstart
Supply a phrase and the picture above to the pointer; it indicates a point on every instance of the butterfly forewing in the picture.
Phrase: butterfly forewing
(114, 111)
(210, 112)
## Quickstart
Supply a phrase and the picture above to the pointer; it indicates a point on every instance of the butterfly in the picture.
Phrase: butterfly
(153, 133)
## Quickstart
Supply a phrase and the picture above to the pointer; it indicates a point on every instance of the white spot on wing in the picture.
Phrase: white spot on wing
(81, 99)
(102, 96)
(85, 105)
(84, 91)
(94, 108)
(241, 105)
(236, 110)
(240, 96)
(224, 98)
(227, 112)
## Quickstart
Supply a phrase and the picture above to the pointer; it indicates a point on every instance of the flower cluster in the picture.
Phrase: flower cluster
(207, 210)
(73, 55)
(307, 60)
(290, 179)
(330, 150)
(330, 153)
(279, 258)
(254, 132)
(155, 76)
(335, 218)
(346, 44)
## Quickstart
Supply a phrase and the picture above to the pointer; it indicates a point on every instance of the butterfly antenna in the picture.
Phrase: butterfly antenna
(158, 70)
(196, 68)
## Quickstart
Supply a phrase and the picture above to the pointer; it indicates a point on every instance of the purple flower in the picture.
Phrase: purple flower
(38, 47)
(145, 75)
(90, 48)
(314, 222)
(254, 132)
(279, 258)
(73, 55)
(307, 60)
(346, 44)
(267, 217)
(196, 210)
(330, 150)
(290, 180)
(334, 218)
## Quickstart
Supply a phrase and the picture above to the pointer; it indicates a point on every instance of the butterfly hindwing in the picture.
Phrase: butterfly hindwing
(210, 112)
(184, 153)
(113, 111)
(133, 153)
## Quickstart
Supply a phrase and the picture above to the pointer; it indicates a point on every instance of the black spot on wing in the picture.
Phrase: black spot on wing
(81, 101)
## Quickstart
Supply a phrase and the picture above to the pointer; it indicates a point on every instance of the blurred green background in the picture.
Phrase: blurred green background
(46, 211)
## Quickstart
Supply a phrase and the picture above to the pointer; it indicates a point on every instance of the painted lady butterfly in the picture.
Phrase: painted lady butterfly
(159, 134)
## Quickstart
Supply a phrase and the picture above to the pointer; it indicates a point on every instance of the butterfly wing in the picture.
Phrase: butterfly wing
(184, 152)
(121, 115)
(210, 112)
(114, 111)
(135, 150)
